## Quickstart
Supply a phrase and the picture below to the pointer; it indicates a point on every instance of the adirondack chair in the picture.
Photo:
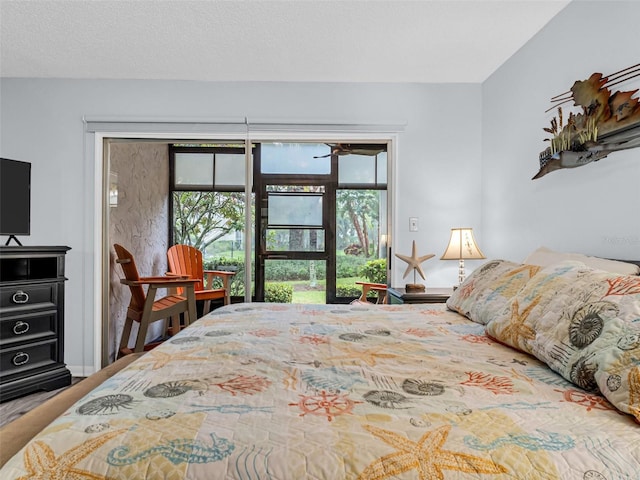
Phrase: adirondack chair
(380, 288)
(145, 309)
(187, 261)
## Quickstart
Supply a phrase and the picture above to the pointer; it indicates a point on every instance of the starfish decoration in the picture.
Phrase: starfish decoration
(516, 327)
(634, 392)
(414, 261)
(532, 269)
(41, 462)
(426, 455)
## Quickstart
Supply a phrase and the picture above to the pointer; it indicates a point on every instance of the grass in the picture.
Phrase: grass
(309, 296)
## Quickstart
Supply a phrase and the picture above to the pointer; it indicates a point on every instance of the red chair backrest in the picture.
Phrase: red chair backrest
(187, 260)
(128, 264)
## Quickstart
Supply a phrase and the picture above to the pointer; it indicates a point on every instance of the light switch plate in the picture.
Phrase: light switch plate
(413, 224)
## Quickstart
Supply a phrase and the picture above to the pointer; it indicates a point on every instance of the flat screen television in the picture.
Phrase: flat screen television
(15, 198)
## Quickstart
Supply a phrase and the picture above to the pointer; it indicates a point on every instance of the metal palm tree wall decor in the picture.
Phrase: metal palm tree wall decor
(608, 121)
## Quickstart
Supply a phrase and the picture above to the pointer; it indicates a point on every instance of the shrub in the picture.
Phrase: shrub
(348, 291)
(375, 270)
(348, 266)
(278, 293)
(229, 264)
(284, 271)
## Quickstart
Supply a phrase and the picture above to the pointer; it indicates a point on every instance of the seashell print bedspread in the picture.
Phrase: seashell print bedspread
(272, 391)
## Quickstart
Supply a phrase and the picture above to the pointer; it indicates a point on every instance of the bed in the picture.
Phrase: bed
(527, 372)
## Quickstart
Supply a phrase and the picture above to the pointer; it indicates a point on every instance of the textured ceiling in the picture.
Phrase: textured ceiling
(267, 40)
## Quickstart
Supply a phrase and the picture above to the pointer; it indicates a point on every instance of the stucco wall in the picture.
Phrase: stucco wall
(139, 222)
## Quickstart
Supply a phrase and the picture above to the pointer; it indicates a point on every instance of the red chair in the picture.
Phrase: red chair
(380, 288)
(144, 308)
(186, 260)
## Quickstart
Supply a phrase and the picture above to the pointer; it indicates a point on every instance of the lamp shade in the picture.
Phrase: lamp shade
(462, 245)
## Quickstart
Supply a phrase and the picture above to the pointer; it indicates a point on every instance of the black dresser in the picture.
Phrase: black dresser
(32, 320)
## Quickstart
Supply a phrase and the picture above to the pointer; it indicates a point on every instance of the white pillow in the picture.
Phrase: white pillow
(545, 257)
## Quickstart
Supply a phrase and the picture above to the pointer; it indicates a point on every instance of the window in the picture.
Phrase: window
(208, 205)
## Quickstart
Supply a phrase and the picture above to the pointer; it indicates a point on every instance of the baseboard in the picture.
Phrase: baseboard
(81, 370)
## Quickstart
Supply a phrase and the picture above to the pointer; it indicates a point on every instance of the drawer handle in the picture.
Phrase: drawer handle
(20, 358)
(21, 327)
(20, 297)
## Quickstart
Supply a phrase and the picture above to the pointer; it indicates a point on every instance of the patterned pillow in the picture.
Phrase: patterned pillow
(546, 257)
(584, 324)
(489, 288)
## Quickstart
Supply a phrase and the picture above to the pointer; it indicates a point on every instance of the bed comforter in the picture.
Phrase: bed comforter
(270, 391)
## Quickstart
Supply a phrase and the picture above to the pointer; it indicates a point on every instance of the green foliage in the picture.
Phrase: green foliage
(348, 291)
(288, 270)
(200, 218)
(375, 270)
(228, 264)
(348, 266)
(284, 271)
(278, 293)
(358, 217)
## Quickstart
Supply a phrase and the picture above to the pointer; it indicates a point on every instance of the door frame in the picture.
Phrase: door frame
(98, 130)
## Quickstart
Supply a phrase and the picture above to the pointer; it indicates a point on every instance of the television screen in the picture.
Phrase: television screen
(15, 197)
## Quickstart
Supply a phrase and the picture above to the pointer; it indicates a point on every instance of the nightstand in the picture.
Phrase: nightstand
(396, 296)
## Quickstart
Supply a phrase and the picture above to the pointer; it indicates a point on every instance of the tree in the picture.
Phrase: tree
(200, 218)
(361, 207)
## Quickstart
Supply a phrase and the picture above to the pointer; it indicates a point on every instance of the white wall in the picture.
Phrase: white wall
(438, 165)
(593, 209)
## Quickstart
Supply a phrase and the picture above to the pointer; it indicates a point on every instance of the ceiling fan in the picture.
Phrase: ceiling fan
(354, 149)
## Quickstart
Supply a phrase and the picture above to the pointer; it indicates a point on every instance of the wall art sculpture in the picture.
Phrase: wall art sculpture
(607, 121)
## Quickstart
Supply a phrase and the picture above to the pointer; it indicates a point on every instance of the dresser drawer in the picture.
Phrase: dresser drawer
(20, 359)
(22, 297)
(27, 327)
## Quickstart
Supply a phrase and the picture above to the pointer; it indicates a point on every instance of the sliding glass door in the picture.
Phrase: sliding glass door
(294, 227)
(319, 216)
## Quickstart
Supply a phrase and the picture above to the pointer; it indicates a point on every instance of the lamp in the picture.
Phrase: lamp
(113, 189)
(462, 246)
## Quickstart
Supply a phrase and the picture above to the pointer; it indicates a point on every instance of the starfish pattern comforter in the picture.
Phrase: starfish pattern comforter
(272, 391)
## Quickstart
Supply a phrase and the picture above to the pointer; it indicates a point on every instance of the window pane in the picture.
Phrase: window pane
(306, 277)
(295, 209)
(382, 168)
(194, 169)
(361, 239)
(296, 158)
(295, 188)
(200, 217)
(230, 168)
(361, 222)
(357, 169)
(295, 240)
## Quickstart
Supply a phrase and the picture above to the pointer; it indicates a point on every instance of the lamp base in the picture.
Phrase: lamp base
(461, 274)
(414, 288)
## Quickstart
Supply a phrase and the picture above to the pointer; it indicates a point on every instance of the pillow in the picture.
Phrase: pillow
(488, 289)
(545, 257)
(583, 323)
